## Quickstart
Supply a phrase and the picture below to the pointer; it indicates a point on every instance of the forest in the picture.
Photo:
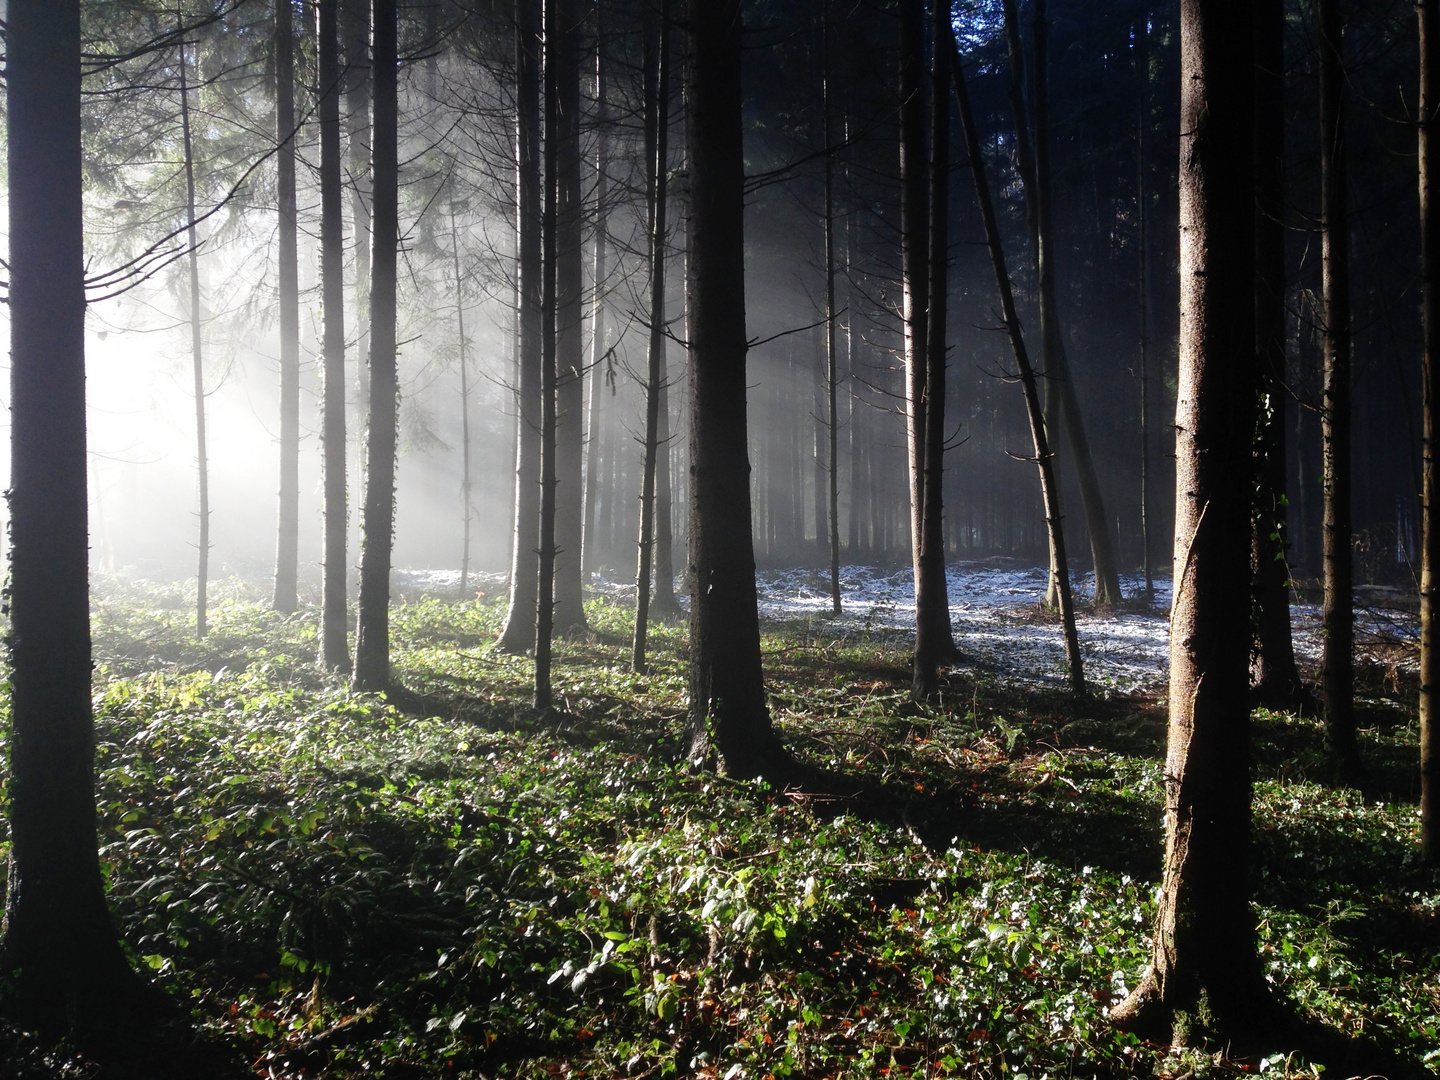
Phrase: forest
(734, 539)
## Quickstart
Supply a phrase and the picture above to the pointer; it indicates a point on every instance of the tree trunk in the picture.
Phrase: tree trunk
(832, 416)
(598, 353)
(372, 637)
(657, 97)
(1429, 16)
(1275, 678)
(1044, 459)
(569, 315)
(727, 694)
(1337, 664)
(518, 635)
(65, 971)
(915, 275)
(467, 500)
(355, 82)
(1142, 124)
(287, 532)
(934, 643)
(334, 648)
(1204, 966)
(197, 357)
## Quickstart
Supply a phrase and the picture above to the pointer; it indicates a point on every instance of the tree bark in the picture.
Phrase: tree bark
(598, 353)
(65, 971)
(467, 499)
(1044, 458)
(1337, 664)
(334, 648)
(1275, 677)
(372, 636)
(832, 416)
(727, 711)
(1205, 970)
(1429, 18)
(1142, 124)
(355, 83)
(197, 358)
(915, 275)
(657, 118)
(287, 532)
(518, 635)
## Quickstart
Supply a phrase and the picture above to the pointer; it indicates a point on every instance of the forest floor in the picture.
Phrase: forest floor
(450, 884)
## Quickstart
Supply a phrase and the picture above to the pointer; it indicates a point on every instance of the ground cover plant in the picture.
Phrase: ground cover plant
(451, 884)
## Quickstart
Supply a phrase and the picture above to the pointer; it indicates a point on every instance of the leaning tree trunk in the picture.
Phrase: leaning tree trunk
(1204, 959)
(65, 971)
(287, 532)
(1337, 663)
(1039, 433)
(1429, 15)
(1275, 676)
(372, 636)
(518, 634)
(197, 357)
(934, 643)
(727, 693)
(657, 117)
(334, 649)
(914, 273)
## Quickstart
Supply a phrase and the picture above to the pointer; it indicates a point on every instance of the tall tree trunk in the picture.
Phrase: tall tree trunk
(1204, 959)
(372, 637)
(467, 498)
(657, 121)
(1142, 246)
(1429, 17)
(598, 353)
(65, 971)
(1275, 676)
(934, 643)
(355, 82)
(1337, 664)
(663, 605)
(727, 711)
(1044, 458)
(334, 648)
(914, 273)
(518, 635)
(287, 531)
(832, 416)
(569, 314)
(197, 357)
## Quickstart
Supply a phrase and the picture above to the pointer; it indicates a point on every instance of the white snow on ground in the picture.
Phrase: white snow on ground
(996, 613)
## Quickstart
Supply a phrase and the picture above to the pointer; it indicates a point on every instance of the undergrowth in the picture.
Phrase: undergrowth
(470, 888)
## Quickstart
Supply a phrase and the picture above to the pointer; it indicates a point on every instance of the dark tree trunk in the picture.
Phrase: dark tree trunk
(598, 354)
(727, 694)
(1275, 677)
(1337, 663)
(914, 273)
(65, 971)
(1429, 15)
(934, 643)
(334, 648)
(355, 82)
(197, 359)
(569, 316)
(832, 370)
(467, 499)
(663, 604)
(287, 539)
(372, 636)
(518, 635)
(1044, 459)
(1204, 963)
(657, 119)
(1142, 246)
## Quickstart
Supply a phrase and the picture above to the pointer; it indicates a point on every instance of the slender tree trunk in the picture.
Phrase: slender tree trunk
(727, 693)
(569, 315)
(1275, 677)
(1204, 965)
(1429, 17)
(334, 648)
(915, 275)
(1044, 458)
(467, 500)
(832, 378)
(934, 643)
(657, 97)
(597, 307)
(372, 637)
(1337, 664)
(287, 539)
(65, 971)
(663, 605)
(1142, 125)
(355, 82)
(197, 357)
(518, 635)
